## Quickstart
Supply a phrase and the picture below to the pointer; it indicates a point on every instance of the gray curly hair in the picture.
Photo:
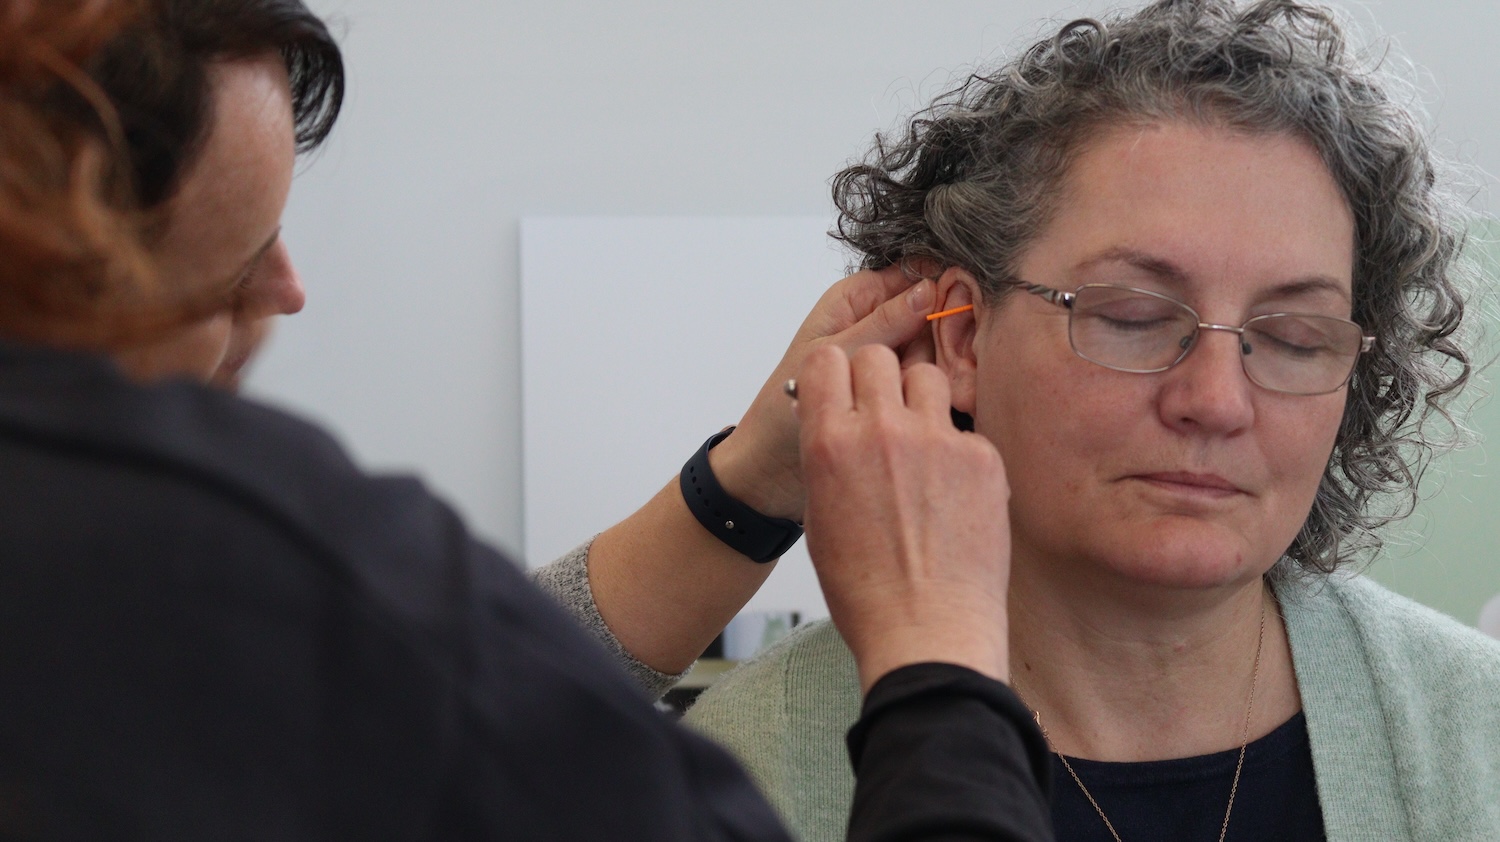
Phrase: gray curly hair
(974, 178)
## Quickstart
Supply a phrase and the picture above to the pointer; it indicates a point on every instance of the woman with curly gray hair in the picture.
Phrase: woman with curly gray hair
(1209, 296)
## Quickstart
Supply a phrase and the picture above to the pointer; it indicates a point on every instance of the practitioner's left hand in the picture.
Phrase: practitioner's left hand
(759, 464)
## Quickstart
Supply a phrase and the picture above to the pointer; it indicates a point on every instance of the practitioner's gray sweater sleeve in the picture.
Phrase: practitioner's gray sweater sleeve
(567, 580)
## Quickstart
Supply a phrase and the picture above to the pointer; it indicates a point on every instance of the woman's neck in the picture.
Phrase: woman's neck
(1147, 673)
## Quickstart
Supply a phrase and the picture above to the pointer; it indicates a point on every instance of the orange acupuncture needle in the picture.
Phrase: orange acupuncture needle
(964, 309)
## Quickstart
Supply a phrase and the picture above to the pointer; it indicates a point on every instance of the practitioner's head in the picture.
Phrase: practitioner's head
(216, 97)
(1222, 154)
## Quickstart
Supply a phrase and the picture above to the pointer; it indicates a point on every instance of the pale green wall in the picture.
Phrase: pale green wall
(1447, 554)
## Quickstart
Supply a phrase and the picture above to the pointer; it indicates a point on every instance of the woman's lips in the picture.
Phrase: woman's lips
(1191, 483)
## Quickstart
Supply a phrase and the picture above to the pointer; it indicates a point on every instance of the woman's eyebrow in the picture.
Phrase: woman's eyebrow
(1172, 273)
(1146, 262)
(1310, 285)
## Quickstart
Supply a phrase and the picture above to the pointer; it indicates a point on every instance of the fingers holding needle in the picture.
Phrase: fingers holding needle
(790, 386)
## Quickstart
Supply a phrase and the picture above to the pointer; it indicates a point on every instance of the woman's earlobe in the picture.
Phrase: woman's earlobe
(961, 385)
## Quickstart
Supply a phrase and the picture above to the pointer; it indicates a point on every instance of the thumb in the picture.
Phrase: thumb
(894, 323)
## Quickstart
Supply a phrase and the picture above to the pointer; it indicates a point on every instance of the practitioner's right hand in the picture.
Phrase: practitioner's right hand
(907, 519)
(759, 464)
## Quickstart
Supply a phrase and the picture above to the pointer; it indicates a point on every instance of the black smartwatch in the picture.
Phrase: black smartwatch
(745, 530)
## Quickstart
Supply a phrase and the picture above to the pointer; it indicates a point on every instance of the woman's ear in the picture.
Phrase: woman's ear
(954, 336)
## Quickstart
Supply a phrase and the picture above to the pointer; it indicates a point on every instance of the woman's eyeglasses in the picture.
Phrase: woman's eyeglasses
(1143, 332)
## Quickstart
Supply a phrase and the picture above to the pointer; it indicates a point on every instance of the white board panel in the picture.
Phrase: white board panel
(640, 338)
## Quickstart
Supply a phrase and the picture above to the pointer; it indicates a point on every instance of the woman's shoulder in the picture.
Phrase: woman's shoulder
(1390, 627)
(807, 677)
(784, 715)
(1403, 709)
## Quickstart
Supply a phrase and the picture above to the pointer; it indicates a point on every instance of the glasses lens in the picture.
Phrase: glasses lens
(1301, 355)
(1130, 329)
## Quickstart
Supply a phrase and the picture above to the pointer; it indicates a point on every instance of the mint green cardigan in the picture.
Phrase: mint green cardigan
(1402, 706)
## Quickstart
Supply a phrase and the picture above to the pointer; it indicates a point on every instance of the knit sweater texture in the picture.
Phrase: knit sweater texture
(566, 580)
(1402, 707)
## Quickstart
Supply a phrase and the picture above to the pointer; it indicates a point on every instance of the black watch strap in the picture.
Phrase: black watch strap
(745, 530)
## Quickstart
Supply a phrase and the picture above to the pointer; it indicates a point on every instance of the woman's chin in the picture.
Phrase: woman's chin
(1188, 573)
(1192, 557)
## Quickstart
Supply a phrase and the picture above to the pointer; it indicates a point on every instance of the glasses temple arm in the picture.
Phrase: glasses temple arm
(1050, 295)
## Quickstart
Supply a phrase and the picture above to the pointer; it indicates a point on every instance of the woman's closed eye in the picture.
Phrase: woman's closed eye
(1295, 337)
(1135, 316)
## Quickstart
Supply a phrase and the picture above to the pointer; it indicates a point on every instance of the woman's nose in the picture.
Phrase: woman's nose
(1208, 391)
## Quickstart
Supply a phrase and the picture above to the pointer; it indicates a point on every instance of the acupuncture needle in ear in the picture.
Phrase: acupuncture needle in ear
(964, 309)
(790, 386)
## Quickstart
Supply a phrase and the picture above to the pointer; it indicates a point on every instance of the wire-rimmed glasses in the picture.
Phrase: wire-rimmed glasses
(1144, 332)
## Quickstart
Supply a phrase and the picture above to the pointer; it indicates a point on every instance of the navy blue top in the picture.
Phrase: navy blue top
(1169, 800)
(214, 627)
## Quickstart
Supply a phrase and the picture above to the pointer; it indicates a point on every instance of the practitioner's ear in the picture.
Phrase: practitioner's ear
(953, 336)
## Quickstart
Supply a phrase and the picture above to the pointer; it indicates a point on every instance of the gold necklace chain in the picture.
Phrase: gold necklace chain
(1239, 764)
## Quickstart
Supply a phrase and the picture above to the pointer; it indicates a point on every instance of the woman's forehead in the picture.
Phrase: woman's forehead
(1180, 203)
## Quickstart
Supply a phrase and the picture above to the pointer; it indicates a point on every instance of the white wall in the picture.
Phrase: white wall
(465, 115)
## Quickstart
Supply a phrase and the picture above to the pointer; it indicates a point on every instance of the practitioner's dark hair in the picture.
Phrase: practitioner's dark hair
(156, 74)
